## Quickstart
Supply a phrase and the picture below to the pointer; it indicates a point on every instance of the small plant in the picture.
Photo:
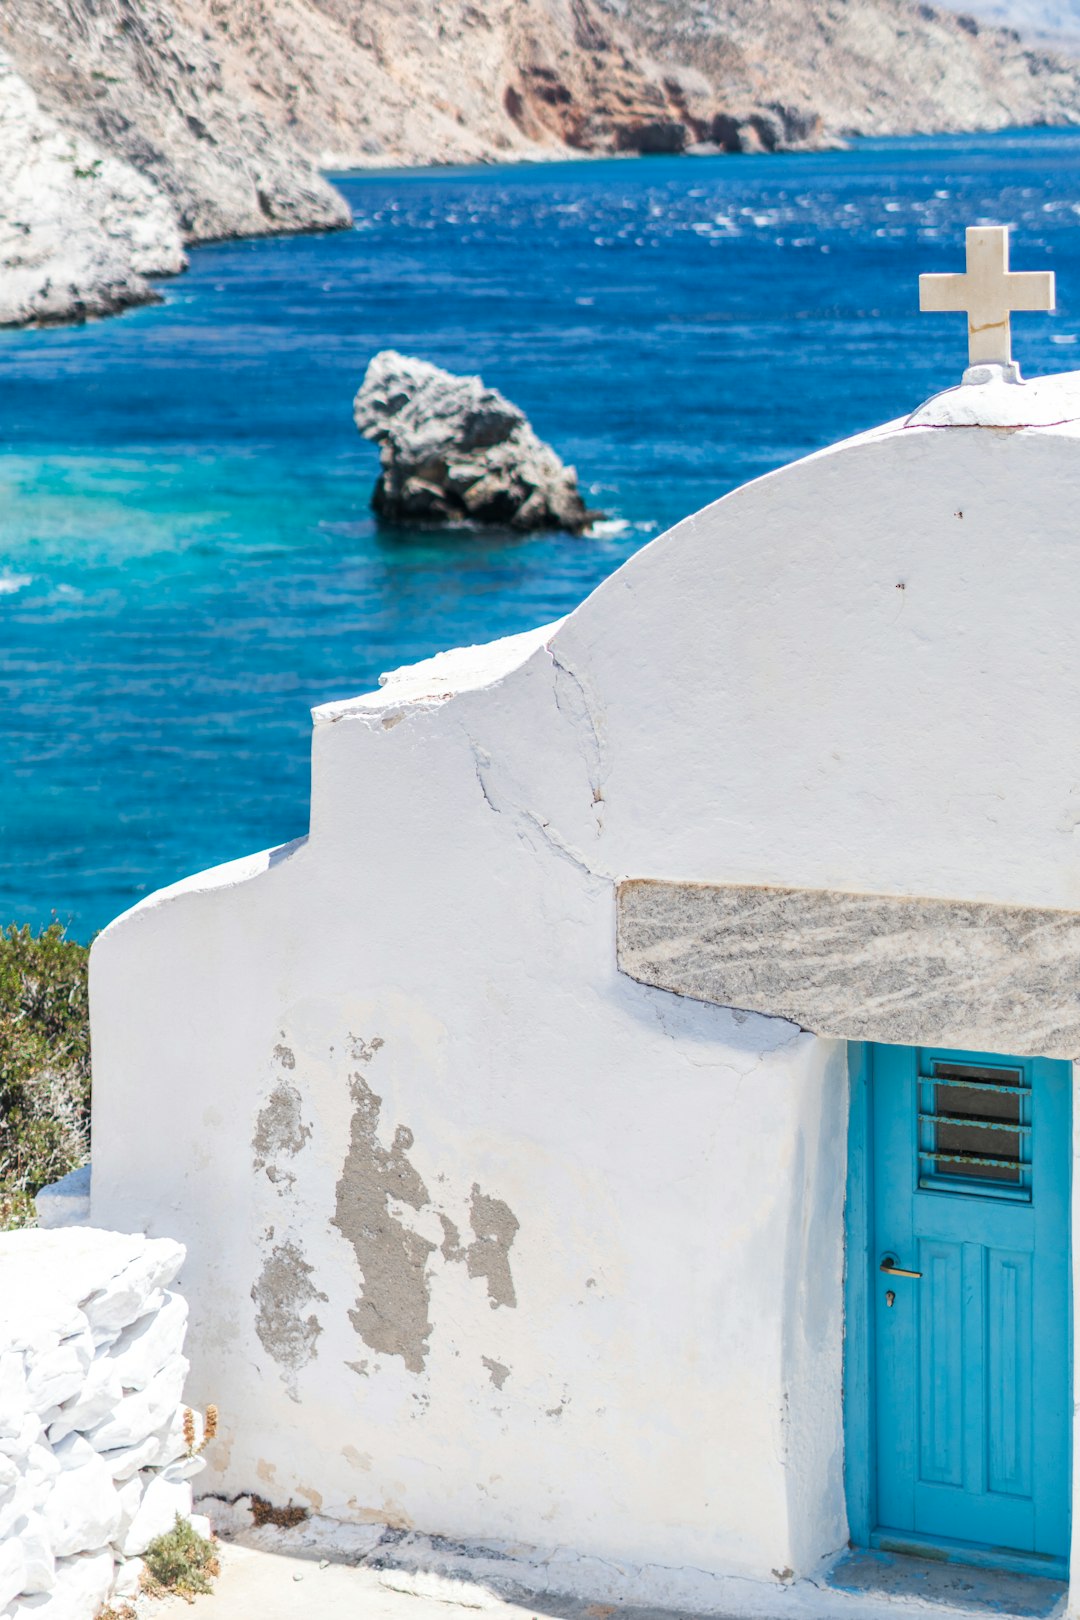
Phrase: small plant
(210, 1425)
(180, 1562)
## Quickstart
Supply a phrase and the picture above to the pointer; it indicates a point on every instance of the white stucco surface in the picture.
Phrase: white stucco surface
(483, 1237)
(996, 397)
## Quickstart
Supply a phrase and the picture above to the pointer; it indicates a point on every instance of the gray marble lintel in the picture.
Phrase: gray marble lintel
(863, 967)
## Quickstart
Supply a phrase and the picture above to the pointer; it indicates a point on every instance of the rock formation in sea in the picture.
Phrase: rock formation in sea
(194, 119)
(456, 452)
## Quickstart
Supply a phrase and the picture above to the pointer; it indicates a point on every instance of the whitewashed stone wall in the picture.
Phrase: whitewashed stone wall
(93, 1459)
(492, 1240)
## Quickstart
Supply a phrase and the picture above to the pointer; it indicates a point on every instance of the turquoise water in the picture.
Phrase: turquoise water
(188, 560)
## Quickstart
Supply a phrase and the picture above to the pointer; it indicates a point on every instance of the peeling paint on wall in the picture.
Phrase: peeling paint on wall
(393, 1313)
(450, 1248)
(281, 1293)
(279, 1129)
(496, 1226)
(498, 1371)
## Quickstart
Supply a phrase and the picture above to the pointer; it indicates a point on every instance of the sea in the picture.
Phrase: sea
(188, 560)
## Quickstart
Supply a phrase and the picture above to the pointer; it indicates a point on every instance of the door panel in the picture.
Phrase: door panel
(941, 1414)
(970, 1176)
(1009, 1392)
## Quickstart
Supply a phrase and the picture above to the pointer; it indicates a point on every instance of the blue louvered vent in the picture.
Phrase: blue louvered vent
(975, 1130)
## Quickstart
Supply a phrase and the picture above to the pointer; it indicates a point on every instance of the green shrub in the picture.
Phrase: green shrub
(180, 1561)
(44, 1065)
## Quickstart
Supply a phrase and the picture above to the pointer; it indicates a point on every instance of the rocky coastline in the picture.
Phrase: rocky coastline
(131, 129)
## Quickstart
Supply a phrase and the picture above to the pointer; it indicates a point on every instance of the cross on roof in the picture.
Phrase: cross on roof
(988, 291)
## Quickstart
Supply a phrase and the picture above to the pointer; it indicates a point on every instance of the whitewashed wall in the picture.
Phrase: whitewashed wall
(94, 1462)
(484, 1237)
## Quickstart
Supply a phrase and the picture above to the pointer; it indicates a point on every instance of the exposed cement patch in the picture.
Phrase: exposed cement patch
(497, 1370)
(279, 1130)
(393, 1313)
(496, 1226)
(281, 1293)
(863, 967)
(451, 1247)
(488, 1256)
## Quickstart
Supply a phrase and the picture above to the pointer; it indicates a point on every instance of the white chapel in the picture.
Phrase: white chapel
(634, 1124)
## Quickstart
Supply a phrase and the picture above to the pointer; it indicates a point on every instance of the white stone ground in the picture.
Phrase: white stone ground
(305, 1574)
(258, 1585)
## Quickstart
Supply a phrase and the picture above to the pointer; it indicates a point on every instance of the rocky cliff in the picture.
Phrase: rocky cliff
(1056, 21)
(131, 127)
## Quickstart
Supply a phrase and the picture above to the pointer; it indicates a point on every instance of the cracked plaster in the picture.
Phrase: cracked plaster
(815, 683)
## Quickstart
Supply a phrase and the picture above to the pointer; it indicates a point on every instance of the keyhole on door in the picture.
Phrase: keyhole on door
(890, 1297)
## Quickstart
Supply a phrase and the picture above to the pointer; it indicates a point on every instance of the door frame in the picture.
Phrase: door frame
(860, 1444)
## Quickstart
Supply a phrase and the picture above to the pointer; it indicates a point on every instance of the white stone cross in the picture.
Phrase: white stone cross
(987, 292)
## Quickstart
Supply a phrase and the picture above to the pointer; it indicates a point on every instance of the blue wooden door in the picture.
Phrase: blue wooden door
(971, 1321)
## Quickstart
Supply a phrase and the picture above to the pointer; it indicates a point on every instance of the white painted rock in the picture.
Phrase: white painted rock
(456, 452)
(130, 1493)
(112, 1276)
(82, 1510)
(13, 1399)
(91, 1379)
(150, 1343)
(65, 1202)
(19, 1506)
(82, 1586)
(47, 1311)
(12, 1569)
(184, 1468)
(135, 1289)
(57, 1373)
(127, 1460)
(18, 1445)
(162, 1501)
(144, 1411)
(128, 1576)
(36, 1542)
(40, 1469)
(101, 1392)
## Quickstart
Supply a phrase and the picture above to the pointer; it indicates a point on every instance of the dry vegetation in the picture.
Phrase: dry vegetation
(180, 1562)
(44, 1065)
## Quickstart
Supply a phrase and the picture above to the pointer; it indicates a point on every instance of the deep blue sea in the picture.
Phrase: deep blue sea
(187, 557)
